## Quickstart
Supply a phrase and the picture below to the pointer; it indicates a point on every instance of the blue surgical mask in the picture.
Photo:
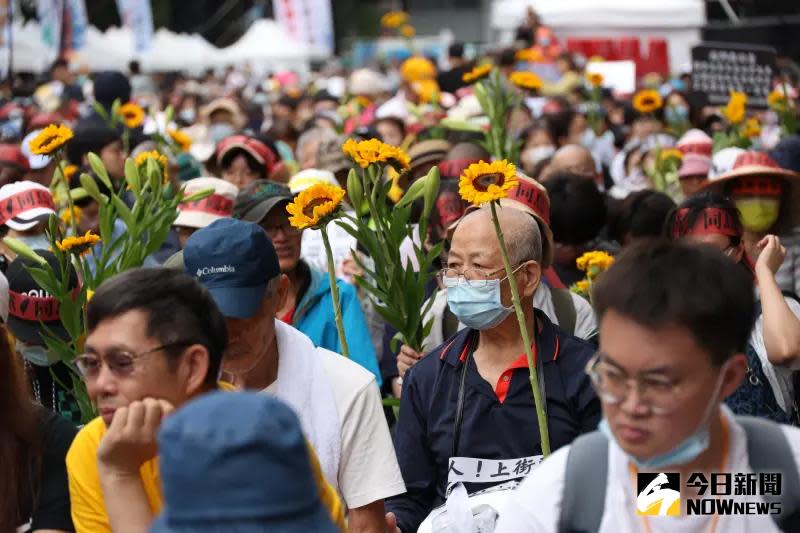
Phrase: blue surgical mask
(187, 115)
(219, 131)
(36, 355)
(685, 451)
(36, 242)
(477, 307)
(676, 114)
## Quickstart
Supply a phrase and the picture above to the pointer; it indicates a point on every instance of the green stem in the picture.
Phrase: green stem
(337, 311)
(70, 203)
(544, 433)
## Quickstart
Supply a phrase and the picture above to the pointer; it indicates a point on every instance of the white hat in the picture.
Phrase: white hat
(311, 176)
(36, 162)
(25, 204)
(723, 161)
(3, 298)
(366, 82)
(203, 212)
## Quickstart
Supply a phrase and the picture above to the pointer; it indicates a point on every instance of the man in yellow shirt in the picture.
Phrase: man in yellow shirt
(155, 341)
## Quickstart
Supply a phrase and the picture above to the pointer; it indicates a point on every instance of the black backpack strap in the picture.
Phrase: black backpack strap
(768, 451)
(565, 310)
(584, 497)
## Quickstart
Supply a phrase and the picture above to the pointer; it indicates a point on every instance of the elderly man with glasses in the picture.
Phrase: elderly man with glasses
(467, 413)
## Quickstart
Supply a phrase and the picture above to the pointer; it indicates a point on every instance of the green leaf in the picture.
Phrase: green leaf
(78, 193)
(46, 279)
(132, 177)
(20, 248)
(100, 169)
(123, 210)
(198, 195)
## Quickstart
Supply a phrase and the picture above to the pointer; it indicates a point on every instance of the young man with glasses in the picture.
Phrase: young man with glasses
(674, 322)
(308, 306)
(467, 412)
(155, 341)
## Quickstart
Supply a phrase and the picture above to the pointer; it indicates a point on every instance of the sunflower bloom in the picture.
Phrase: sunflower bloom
(777, 99)
(485, 182)
(50, 139)
(408, 31)
(530, 55)
(670, 153)
(80, 245)
(595, 79)
(417, 68)
(593, 263)
(751, 128)
(581, 287)
(132, 115)
(68, 215)
(394, 19)
(181, 139)
(427, 91)
(477, 73)
(314, 205)
(366, 153)
(70, 171)
(736, 108)
(525, 80)
(647, 101)
(161, 159)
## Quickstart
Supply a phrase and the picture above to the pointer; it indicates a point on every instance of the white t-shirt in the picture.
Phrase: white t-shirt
(368, 469)
(535, 505)
(780, 378)
(585, 321)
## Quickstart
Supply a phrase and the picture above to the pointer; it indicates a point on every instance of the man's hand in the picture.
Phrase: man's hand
(131, 438)
(772, 254)
(391, 524)
(406, 359)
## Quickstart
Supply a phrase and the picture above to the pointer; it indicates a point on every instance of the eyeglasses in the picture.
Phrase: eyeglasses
(474, 277)
(613, 386)
(122, 364)
(285, 227)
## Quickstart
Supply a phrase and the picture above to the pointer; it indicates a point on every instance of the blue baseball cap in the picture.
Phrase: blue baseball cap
(237, 462)
(234, 260)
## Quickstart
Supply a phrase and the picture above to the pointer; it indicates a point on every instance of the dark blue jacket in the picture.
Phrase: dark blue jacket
(490, 429)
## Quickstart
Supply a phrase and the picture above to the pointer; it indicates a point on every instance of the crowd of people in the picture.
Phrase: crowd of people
(655, 247)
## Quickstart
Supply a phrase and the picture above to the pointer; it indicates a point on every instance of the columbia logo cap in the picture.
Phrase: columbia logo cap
(234, 260)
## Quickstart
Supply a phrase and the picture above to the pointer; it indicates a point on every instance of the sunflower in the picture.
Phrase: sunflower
(132, 115)
(427, 91)
(777, 99)
(365, 153)
(408, 31)
(417, 68)
(78, 245)
(751, 128)
(529, 55)
(595, 79)
(670, 153)
(161, 159)
(736, 108)
(484, 182)
(70, 171)
(477, 73)
(67, 215)
(314, 205)
(593, 263)
(181, 139)
(394, 19)
(581, 287)
(50, 139)
(525, 80)
(647, 101)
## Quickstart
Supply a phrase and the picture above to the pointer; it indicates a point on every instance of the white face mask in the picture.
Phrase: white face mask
(531, 156)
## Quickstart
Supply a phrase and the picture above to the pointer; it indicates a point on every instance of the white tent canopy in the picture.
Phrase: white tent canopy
(266, 45)
(679, 21)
